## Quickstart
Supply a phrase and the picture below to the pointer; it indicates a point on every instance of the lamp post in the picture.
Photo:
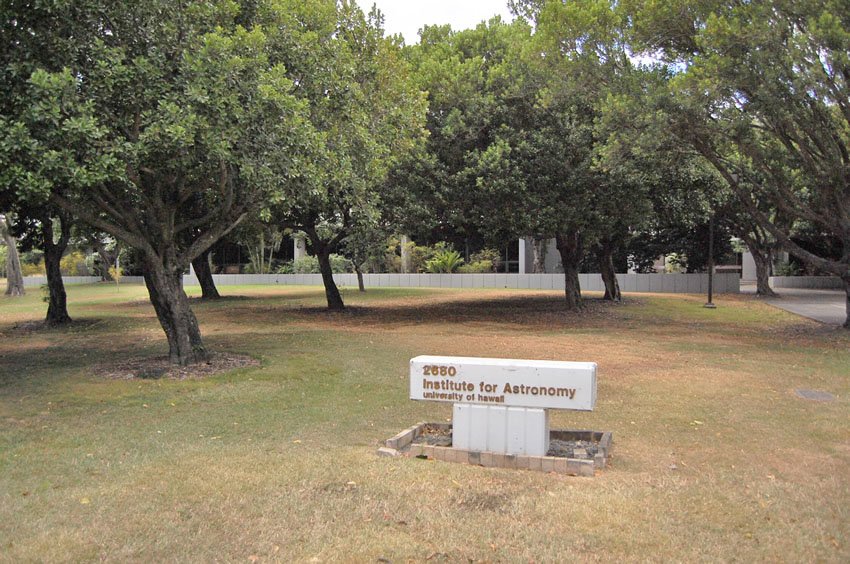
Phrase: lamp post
(710, 304)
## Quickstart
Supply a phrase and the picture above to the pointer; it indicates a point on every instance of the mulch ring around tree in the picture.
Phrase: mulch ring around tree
(152, 368)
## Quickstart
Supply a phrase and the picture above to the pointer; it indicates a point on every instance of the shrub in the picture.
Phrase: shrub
(285, 268)
(786, 268)
(444, 261)
(484, 255)
(418, 255)
(310, 265)
(33, 269)
(477, 267)
(74, 264)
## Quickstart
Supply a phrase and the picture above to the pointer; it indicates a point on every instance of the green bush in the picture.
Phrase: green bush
(285, 268)
(310, 265)
(484, 255)
(418, 255)
(786, 268)
(33, 269)
(444, 261)
(477, 267)
(74, 264)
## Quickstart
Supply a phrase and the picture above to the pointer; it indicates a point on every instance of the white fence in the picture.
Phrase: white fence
(663, 283)
(36, 281)
(813, 282)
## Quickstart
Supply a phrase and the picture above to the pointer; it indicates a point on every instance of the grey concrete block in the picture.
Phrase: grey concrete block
(579, 467)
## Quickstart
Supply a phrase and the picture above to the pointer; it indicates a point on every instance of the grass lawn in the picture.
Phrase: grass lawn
(715, 458)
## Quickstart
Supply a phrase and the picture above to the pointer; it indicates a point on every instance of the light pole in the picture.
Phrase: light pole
(710, 304)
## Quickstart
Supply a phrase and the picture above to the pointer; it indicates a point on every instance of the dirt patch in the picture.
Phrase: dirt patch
(42, 325)
(521, 311)
(152, 368)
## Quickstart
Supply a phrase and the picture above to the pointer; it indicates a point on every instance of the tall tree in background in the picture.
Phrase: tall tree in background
(512, 122)
(367, 113)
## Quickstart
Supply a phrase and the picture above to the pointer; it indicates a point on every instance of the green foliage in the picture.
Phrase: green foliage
(760, 91)
(33, 269)
(74, 264)
(478, 266)
(486, 254)
(198, 124)
(368, 114)
(310, 265)
(484, 261)
(286, 268)
(787, 268)
(444, 261)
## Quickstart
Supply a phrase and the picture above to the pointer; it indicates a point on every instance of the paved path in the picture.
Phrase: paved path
(826, 306)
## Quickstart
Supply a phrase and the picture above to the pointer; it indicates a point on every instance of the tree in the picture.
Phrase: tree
(763, 95)
(201, 266)
(34, 37)
(170, 104)
(512, 122)
(46, 228)
(54, 247)
(368, 114)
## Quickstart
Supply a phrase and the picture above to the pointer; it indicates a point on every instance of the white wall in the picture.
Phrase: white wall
(36, 281)
(663, 283)
(811, 282)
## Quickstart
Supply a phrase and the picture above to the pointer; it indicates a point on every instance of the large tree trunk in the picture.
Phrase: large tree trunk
(57, 308)
(14, 277)
(201, 264)
(331, 291)
(165, 287)
(605, 256)
(360, 285)
(570, 248)
(538, 251)
(763, 260)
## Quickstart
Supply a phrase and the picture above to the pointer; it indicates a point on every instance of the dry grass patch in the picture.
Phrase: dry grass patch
(715, 458)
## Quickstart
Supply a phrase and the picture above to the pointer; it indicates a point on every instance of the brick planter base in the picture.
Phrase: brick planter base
(403, 445)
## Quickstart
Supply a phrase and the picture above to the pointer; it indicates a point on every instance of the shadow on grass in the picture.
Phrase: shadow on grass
(546, 312)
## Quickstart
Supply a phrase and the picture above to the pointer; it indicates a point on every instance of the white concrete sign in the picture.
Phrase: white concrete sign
(542, 384)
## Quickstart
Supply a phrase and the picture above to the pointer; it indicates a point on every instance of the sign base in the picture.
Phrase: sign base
(500, 429)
